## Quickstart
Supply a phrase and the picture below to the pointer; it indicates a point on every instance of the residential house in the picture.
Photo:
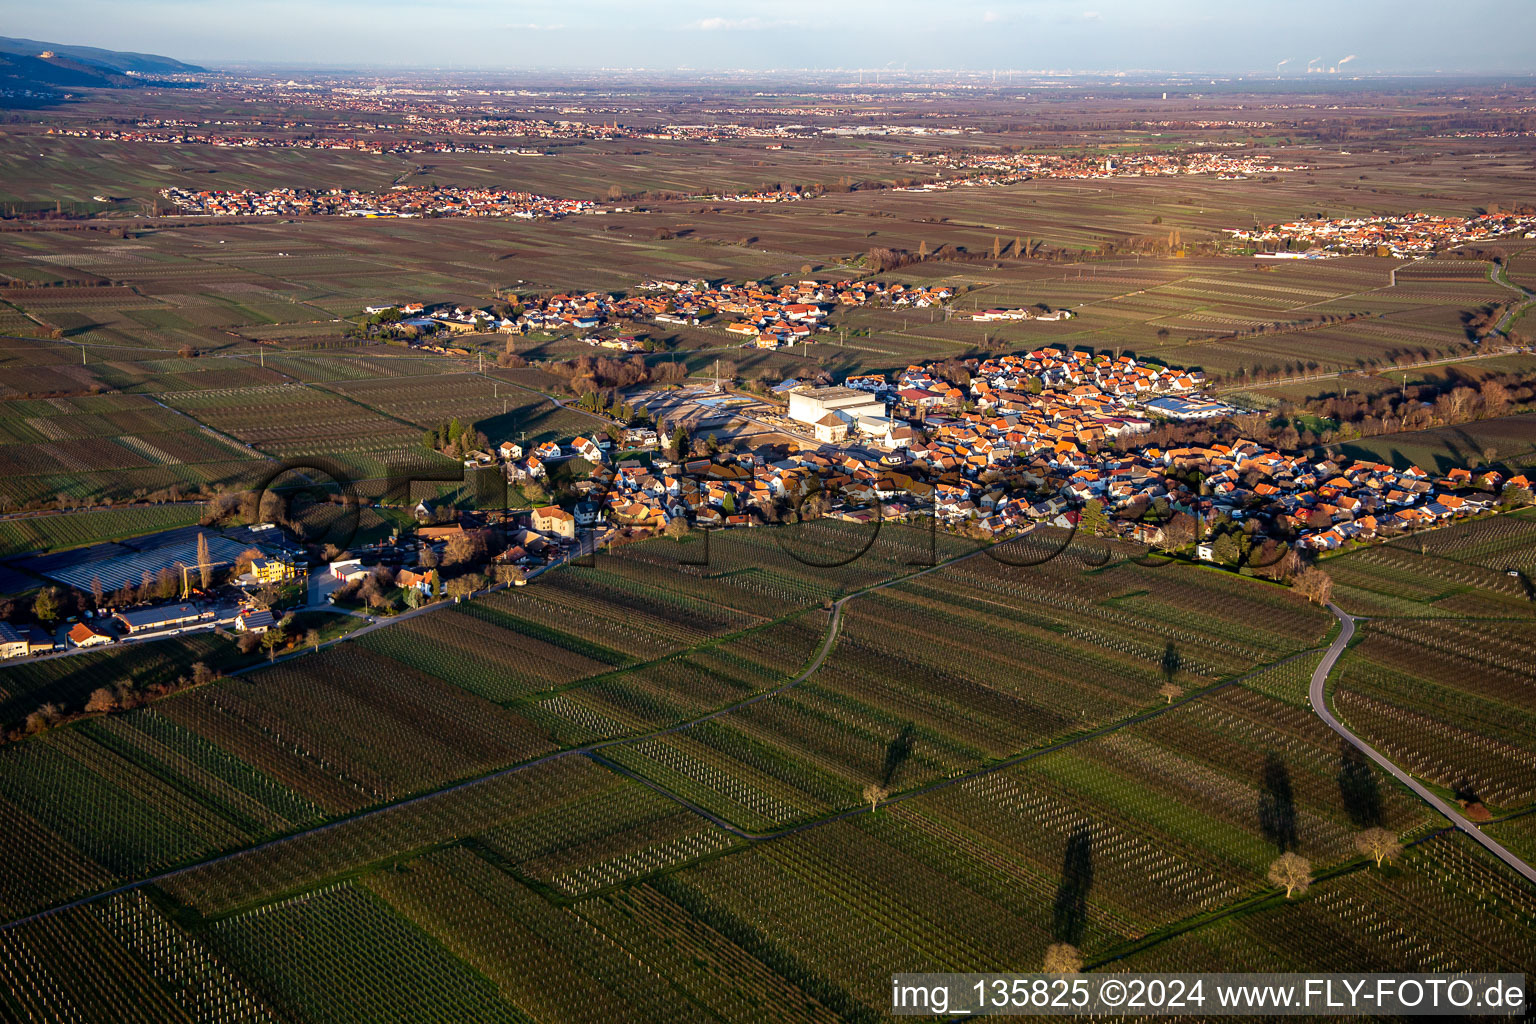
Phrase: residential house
(556, 520)
(255, 620)
(82, 635)
(272, 570)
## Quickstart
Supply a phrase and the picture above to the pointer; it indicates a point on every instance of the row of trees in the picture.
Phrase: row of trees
(611, 403)
(1277, 818)
(123, 695)
(603, 373)
(455, 440)
(1356, 414)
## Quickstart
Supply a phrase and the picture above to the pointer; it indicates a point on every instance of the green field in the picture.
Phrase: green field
(1440, 675)
(1005, 713)
(70, 530)
(748, 775)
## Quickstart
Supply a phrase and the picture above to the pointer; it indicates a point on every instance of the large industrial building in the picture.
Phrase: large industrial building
(836, 412)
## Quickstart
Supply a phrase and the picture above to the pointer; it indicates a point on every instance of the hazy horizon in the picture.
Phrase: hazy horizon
(1366, 37)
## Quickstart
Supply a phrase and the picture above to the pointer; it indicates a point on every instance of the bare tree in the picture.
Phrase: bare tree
(102, 700)
(1063, 958)
(243, 563)
(204, 562)
(1291, 871)
(874, 793)
(312, 638)
(465, 548)
(1315, 585)
(677, 527)
(39, 720)
(1170, 692)
(1378, 844)
(1495, 398)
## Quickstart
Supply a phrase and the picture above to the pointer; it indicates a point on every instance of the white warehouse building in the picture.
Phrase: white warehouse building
(833, 412)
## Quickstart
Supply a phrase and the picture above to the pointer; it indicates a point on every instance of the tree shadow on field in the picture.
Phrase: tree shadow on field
(1358, 787)
(1277, 805)
(1172, 662)
(896, 754)
(1069, 914)
(1465, 791)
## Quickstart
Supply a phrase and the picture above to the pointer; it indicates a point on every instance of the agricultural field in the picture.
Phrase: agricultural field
(109, 446)
(1414, 917)
(624, 738)
(1458, 570)
(745, 774)
(69, 530)
(1440, 674)
(1508, 442)
(68, 681)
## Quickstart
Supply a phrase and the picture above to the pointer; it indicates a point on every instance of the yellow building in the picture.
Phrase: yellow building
(270, 570)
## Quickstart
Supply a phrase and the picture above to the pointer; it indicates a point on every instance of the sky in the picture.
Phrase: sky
(1218, 36)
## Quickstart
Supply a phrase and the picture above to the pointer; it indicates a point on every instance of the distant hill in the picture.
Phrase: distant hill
(24, 66)
(112, 60)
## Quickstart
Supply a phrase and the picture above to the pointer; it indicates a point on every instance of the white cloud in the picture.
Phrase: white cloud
(718, 24)
(1092, 16)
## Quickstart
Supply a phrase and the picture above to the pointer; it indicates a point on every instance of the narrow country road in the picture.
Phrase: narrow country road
(1319, 698)
(946, 781)
(590, 750)
(1499, 274)
(595, 752)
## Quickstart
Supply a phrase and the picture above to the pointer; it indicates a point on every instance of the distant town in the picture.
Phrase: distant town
(399, 202)
(1398, 235)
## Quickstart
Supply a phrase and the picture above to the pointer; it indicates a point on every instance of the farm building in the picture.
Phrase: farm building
(148, 620)
(13, 642)
(1188, 408)
(346, 571)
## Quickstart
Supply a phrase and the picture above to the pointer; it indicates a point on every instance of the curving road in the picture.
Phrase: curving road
(594, 751)
(1499, 274)
(1319, 698)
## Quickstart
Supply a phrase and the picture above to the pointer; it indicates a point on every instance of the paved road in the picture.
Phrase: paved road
(1500, 275)
(587, 750)
(594, 751)
(1319, 697)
